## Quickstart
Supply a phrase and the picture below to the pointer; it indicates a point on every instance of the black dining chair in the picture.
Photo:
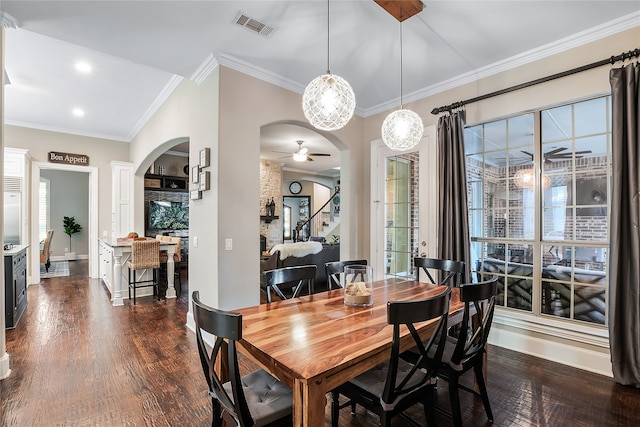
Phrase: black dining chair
(395, 385)
(449, 272)
(256, 399)
(335, 268)
(466, 351)
(293, 277)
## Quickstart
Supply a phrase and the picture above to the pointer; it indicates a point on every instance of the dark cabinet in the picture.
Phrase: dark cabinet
(15, 285)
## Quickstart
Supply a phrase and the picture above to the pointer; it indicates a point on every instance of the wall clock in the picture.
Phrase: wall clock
(295, 187)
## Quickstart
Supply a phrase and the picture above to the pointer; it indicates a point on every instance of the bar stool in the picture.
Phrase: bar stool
(145, 255)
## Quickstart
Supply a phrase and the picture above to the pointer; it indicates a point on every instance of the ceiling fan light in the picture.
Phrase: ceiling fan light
(299, 157)
(402, 130)
(328, 102)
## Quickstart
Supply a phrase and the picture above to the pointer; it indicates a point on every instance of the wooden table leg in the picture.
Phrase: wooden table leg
(308, 404)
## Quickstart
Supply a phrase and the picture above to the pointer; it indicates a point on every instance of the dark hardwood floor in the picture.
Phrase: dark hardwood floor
(77, 361)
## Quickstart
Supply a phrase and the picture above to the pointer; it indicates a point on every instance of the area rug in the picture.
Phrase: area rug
(56, 269)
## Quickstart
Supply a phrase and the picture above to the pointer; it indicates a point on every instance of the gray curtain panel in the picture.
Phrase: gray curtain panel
(624, 256)
(453, 230)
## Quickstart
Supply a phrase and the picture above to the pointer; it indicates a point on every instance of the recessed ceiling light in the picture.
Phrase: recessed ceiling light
(78, 112)
(83, 67)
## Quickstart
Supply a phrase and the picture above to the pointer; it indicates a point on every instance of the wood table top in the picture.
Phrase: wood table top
(318, 335)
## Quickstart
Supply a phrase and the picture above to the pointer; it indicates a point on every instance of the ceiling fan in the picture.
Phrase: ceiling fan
(558, 154)
(302, 153)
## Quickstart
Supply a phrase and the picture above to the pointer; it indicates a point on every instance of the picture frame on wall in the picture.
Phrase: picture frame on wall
(195, 194)
(204, 181)
(205, 157)
(195, 174)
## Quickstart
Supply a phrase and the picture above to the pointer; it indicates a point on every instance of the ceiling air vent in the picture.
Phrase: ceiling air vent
(253, 25)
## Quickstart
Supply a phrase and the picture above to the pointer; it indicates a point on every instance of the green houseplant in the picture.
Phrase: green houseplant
(71, 227)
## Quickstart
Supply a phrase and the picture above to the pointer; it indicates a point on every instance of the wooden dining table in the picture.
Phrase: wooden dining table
(314, 343)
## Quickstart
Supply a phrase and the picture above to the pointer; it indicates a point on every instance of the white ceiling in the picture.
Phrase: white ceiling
(140, 50)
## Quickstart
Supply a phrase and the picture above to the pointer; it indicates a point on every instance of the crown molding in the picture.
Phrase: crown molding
(202, 72)
(259, 73)
(8, 21)
(64, 130)
(168, 89)
(576, 40)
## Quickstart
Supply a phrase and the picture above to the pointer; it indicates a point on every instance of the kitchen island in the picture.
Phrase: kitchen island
(114, 254)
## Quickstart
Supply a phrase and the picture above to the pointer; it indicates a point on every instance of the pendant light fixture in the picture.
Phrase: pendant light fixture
(402, 129)
(328, 101)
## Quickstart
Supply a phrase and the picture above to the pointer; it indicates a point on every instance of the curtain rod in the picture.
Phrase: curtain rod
(623, 56)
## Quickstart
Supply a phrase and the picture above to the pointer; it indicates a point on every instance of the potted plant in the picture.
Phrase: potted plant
(71, 227)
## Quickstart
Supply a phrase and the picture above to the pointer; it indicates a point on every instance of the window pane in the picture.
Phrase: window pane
(495, 136)
(520, 134)
(473, 140)
(591, 117)
(556, 124)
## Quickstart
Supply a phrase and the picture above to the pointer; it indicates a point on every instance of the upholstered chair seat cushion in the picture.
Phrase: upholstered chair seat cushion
(373, 381)
(268, 399)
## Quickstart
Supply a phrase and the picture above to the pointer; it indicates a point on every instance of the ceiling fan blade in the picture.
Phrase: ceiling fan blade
(556, 151)
(309, 159)
(318, 154)
(282, 152)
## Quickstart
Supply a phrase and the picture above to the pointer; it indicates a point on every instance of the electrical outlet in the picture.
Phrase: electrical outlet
(66, 250)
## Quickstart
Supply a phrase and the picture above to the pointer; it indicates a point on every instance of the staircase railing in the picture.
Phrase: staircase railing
(314, 225)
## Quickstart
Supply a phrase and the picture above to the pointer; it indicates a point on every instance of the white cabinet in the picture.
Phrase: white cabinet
(106, 264)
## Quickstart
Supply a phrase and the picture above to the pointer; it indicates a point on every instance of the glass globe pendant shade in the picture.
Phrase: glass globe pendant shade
(328, 102)
(524, 178)
(402, 130)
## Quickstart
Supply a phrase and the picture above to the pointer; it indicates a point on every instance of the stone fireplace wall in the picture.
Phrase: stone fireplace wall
(271, 187)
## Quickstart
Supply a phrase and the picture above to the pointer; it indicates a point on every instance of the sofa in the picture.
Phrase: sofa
(326, 254)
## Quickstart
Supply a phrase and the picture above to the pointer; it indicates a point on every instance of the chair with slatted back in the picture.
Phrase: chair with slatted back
(256, 399)
(335, 268)
(395, 385)
(145, 255)
(290, 277)
(449, 272)
(466, 350)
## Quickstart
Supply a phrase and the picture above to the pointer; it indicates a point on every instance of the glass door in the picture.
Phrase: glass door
(404, 207)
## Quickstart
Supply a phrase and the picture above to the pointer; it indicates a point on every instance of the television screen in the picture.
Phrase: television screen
(168, 215)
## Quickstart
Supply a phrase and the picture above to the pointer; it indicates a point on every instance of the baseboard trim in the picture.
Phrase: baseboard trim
(4, 367)
(594, 359)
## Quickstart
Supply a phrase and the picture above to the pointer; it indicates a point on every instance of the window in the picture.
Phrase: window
(43, 209)
(538, 187)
